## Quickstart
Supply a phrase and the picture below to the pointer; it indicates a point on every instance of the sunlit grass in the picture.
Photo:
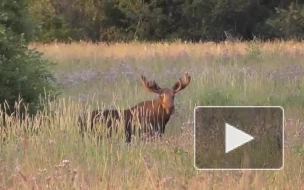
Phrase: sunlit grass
(93, 76)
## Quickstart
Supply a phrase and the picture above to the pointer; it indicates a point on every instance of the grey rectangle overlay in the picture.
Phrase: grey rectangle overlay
(265, 123)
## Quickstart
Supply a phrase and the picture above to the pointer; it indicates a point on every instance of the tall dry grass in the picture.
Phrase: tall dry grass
(91, 76)
(82, 50)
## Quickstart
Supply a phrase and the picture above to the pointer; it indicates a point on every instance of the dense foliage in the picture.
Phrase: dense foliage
(154, 20)
(24, 74)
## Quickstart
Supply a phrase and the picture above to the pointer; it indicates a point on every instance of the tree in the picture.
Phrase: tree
(24, 73)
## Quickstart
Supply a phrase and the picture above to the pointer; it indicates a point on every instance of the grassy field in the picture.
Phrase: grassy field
(101, 75)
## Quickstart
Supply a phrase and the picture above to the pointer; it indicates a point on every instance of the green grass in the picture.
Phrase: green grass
(58, 158)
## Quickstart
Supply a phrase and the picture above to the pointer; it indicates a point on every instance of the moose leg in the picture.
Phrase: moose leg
(162, 127)
(112, 128)
(109, 126)
(157, 131)
(109, 132)
(81, 126)
(128, 132)
(153, 131)
(162, 130)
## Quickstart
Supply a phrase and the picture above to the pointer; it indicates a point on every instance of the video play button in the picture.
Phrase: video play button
(235, 138)
(230, 138)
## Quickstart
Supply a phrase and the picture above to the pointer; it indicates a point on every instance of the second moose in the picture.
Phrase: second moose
(150, 117)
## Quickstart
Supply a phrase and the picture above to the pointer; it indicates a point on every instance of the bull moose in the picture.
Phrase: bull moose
(149, 117)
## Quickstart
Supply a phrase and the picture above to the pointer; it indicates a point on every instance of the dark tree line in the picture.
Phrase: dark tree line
(157, 20)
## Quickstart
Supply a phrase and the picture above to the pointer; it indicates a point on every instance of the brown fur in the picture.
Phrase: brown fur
(152, 116)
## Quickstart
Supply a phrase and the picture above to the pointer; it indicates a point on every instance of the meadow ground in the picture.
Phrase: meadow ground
(101, 75)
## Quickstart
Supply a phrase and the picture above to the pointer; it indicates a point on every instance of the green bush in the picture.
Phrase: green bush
(24, 74)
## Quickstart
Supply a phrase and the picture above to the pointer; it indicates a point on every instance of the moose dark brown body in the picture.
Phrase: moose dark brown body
(149, 117)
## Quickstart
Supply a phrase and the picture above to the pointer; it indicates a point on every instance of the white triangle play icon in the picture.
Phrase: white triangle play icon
(235, 138)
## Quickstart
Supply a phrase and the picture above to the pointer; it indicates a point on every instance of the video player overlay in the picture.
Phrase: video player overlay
(231, 138)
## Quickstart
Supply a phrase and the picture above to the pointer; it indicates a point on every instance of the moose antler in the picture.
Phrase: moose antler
(151, 86)
(180, 85)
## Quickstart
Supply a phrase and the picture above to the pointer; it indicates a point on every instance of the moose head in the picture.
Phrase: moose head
(166, 95)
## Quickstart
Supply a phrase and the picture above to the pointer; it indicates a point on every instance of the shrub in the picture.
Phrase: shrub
(24, 74)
